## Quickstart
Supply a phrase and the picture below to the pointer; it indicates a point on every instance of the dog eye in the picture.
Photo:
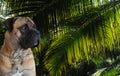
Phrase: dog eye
(24, 27)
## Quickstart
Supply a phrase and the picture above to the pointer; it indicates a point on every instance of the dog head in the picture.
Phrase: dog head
(22, 32)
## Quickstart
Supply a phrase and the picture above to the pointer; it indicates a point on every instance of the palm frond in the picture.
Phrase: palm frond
(97, 32)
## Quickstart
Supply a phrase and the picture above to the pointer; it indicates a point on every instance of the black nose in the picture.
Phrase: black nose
(36, 41)
(36, 38)
(36, 32)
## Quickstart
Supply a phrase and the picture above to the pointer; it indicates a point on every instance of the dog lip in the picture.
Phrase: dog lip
(36, 43)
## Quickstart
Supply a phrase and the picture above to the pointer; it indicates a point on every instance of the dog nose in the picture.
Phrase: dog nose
(37, 38)
(37, 32)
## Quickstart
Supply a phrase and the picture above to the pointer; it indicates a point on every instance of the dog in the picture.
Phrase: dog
(16, 57)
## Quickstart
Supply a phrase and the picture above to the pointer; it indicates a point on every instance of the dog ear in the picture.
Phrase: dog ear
(9, 24)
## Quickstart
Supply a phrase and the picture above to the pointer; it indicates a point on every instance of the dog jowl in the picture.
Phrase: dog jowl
(16, 57)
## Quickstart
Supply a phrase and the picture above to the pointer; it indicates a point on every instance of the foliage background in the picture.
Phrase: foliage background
(78, 37)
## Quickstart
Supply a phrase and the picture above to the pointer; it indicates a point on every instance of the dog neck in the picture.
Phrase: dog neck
(9, 46)
(15, 55)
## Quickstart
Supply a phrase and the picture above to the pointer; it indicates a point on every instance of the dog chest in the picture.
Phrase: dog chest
(17, 70)
(17, 74)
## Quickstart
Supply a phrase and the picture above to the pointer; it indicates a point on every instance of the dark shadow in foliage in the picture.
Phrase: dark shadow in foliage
(39, 54)
(83, 68)
(2, 31)
(114, 66)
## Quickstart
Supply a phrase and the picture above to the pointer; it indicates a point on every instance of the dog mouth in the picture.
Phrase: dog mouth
(30, 39)
(36, 43)
(32, 44)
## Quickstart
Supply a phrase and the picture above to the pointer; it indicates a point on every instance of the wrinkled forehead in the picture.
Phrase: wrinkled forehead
(20, 21)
